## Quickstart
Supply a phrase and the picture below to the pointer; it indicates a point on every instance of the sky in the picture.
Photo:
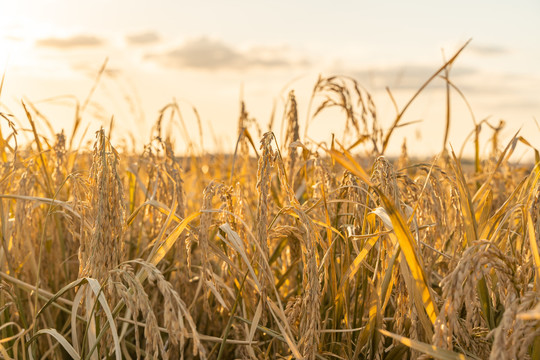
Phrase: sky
(209, 55)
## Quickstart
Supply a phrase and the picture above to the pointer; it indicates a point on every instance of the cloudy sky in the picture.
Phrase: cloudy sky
(210, 54)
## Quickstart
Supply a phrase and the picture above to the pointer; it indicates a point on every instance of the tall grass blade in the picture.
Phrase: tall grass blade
(61, 340)
(437, 353)
(407, 244)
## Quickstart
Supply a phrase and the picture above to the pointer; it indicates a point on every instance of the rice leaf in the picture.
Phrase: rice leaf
(471, 227)
(432, 350)
(282, 323)
(347, 161)
(96, 288)
(168, 243)
(62, 341)
(355, 266)
(534, 248)
(406, 242)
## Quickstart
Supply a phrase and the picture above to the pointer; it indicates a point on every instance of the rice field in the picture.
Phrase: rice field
(283, 250)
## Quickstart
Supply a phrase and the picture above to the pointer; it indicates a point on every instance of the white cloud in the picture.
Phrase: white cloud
(71, 42)
(406, 77)
(209, 54)
(487, 49)
(144, 38)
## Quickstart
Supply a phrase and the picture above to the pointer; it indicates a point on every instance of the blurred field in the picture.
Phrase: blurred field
(289, 249)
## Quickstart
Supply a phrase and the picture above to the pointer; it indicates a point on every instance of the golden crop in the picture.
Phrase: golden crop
(291, 250)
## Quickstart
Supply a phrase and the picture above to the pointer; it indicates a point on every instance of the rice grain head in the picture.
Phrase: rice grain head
(103, 249)
(266, 162)
(384, 177)
(291, 136)
(310, 322)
